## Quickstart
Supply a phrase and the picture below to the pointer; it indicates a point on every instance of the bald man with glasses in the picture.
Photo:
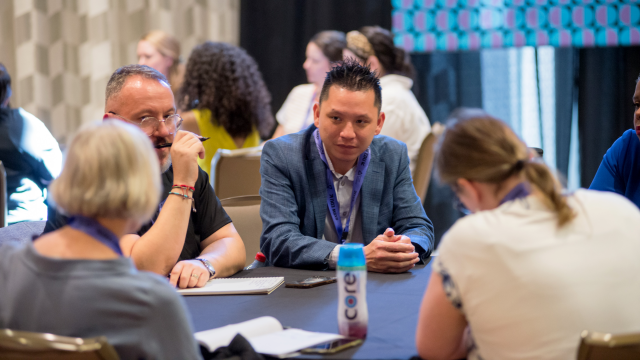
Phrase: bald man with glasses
(190, 238)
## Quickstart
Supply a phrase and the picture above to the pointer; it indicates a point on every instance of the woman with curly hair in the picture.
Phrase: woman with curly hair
(224, 97)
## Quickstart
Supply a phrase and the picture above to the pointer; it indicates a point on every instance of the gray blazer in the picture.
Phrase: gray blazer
(294, 204)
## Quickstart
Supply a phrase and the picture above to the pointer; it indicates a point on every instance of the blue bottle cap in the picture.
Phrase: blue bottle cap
(351, 255)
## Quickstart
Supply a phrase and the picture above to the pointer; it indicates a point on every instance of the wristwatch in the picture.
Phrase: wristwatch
(208, 265)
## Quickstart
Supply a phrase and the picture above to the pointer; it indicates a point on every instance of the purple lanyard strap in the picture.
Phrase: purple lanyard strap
(519, 191)
(332, 198)
(94, 229)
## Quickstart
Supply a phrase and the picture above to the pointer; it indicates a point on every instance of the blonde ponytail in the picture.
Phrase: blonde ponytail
(476, 146)
(539, 175)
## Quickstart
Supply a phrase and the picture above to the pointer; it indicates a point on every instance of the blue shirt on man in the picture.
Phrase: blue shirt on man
(619, 171)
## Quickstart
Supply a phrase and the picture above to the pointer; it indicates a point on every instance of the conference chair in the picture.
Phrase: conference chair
(3, 196)
(603, 346)
(424, 162)
(236, 172)
(244, 211)
(29, 345)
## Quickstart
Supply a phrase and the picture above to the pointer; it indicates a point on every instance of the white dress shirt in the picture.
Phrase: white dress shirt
(343, 184)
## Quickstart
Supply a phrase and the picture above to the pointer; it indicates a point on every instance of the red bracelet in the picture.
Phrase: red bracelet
(184, 187)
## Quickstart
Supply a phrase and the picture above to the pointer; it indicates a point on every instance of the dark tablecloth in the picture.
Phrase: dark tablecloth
(393, 301)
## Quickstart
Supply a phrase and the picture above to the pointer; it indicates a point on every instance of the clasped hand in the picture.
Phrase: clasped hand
(390, 253)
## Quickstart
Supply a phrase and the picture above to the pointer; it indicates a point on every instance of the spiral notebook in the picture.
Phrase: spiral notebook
(237, 286)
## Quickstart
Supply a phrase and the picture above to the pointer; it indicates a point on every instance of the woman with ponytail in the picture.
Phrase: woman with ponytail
(531, 267)
(405, 119)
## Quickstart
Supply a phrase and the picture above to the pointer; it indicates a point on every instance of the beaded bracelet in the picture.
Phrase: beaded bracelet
(184, 196)
(184, 187)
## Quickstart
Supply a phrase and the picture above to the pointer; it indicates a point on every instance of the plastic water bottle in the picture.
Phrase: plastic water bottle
(353, 316)
(258, 262)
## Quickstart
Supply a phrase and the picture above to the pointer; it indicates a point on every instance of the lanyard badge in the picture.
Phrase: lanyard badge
(332, 198)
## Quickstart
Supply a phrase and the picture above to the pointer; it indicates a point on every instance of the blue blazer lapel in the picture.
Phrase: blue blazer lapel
(316, 174)
(370, 199)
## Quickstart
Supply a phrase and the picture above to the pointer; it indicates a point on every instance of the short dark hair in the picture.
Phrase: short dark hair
(352, 76)
(5, 84)
(120, 76)
(331, 42)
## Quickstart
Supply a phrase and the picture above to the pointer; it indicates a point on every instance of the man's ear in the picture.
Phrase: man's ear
(316, 114)
(381, 118)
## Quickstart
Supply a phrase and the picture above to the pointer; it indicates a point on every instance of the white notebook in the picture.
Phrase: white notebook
(236, 286)
(266, 336)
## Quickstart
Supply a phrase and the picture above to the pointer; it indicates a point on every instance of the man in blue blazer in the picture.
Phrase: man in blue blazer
(336, 182)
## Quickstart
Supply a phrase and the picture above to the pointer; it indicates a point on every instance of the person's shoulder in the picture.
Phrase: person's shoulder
(10, 252)
(384, 147)
(395, 81)
(465, 237)
(28, 116)
(628, 140)
(608, 204)
(303, 90)
(289, 142)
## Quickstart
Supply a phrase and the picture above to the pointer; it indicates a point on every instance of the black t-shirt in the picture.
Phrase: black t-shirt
(208, 218)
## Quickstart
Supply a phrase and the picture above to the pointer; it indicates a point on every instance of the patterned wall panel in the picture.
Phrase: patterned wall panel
(60, 53)
(450, 25)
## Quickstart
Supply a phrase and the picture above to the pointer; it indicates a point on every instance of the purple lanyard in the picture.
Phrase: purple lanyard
(94, 229)
(519, 191)
(332, 198)
(304, 121)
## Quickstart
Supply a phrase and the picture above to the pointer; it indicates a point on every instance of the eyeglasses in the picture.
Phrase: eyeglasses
(149, 125)
(457, 203)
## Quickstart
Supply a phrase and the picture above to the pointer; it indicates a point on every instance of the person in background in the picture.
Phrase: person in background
(405, 119)
(619, 171)
(531, 268)
(337, 182)
(190, 237)
(224, 98)
(30, 155)
(75, 281)
(296, 114)
(161, 51)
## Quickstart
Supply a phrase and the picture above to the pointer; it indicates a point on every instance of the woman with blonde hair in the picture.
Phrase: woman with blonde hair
(76, 281)
(161, 51)
(531, 267)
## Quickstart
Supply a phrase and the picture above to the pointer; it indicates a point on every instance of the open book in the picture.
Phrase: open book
(266, 336)
(236, 286)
